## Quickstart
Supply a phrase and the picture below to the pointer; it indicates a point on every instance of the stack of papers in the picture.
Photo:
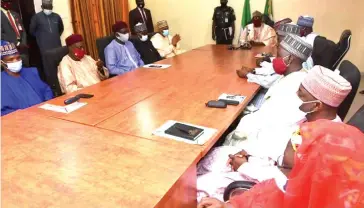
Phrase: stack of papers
(230, 97)
(63, 109)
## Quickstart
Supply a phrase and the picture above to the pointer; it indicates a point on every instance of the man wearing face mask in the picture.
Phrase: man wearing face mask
(223, 24)
(141, 15)
(20, 87)
(47, 27)
(78, 70)
(166, 44)
(258, 33)
(320, 94)
(12, 29)
(121, 55)
(144, 46)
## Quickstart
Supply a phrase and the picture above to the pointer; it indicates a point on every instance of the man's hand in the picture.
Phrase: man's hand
(236, 161)
(244, 71)
(211, 203)
(175, 40)
(99, 64)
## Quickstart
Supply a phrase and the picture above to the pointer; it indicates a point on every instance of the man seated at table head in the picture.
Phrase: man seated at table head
(20, 87)
(78, 70)
(319, 96)
(306, 24)
(121, 55)
(258, 33)
(144, 46)
(166, 44)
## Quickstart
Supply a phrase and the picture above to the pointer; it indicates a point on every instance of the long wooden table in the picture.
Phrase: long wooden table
(104, 154)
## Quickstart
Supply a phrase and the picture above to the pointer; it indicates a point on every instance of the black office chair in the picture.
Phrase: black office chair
(343, 47)
(236, 188)
(52, 58)
(358, 119)
(323, 52)
(101, 44)
(351, 73)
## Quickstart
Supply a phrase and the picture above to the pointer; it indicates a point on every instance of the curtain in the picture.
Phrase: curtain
(93, 19)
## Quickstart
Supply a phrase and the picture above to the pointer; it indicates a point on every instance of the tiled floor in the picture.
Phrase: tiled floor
(358, 101)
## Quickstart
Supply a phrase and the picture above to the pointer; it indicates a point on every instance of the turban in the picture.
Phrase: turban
(140, 27)
(7, 49)
(296, 46)
(326, 86)
(118, 26)
(284, 29)
(162, 24)
(74, 38)
(305, 21)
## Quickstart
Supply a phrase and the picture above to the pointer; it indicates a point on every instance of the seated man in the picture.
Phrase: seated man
(320, 94)
(121, 55)
(78, 70)
(258, 33)
(325, 173)
(20, 87)
(306, 24)
(144, 46)
(166, 45)
(283, 29)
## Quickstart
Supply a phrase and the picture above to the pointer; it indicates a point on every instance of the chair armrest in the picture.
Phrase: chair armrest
(235, 186)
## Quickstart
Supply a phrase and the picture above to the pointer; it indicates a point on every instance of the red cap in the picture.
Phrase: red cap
(72, 39)
(118, 26)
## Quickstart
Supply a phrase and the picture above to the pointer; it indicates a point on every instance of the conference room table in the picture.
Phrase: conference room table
(105, 155)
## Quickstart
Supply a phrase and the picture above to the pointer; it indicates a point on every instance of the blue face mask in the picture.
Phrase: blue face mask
(165, 33)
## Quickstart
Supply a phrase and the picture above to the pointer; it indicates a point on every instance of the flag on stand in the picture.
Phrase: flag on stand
(269, 9)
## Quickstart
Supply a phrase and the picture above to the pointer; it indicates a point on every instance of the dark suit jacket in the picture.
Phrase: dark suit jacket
(135, 17)
(7, 31)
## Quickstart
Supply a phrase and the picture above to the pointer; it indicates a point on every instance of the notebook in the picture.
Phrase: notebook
(184, 131)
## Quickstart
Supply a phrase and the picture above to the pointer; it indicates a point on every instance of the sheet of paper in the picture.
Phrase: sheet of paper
(207, 133)
(157, 66)
(238, 98)
(63, 109)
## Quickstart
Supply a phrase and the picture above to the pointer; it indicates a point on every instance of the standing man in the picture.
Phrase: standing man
(223, 24)
(144, 46)
(12, 29)
(121, 55)
(140, 15)
(47, 27)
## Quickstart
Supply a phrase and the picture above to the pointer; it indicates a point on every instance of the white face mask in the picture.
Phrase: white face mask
(14, 67)
(144, 38)
(123, 37)
(165, 33)
(308, 102)
(308, 64)
(47, 11)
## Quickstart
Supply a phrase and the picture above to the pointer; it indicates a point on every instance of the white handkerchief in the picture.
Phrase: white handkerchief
(63, 109)
(238, 98)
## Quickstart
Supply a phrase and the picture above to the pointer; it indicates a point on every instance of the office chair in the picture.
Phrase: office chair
(343, 47)
(101, 44)
(358, 119)
(323, 52)
(237, 187)
(351, 73)
(52, 58)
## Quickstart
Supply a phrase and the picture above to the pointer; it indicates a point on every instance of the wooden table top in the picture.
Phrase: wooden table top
(63, 164)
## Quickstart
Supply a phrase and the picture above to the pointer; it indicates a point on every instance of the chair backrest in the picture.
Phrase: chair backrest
(358, 119)
(323, 52)
(52, 58)
(351, 73)
(343, 47)
(101, 44)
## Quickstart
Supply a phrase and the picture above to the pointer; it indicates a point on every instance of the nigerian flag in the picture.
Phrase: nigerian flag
(246, 14)
(269, 9)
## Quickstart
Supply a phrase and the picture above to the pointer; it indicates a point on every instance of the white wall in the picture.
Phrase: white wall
(61, 7)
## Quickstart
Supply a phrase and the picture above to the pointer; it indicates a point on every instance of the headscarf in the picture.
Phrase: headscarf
(328, 172)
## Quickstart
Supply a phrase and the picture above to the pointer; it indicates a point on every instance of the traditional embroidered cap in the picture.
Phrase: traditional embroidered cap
(326, 86)
(7, 49)
(305, 21)
(140, 27)
(47, 1)
(257, 14)
(281, 22)
(162, 24)
(296, 46)
(284, 29)
(74, 38)
(118, 26)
